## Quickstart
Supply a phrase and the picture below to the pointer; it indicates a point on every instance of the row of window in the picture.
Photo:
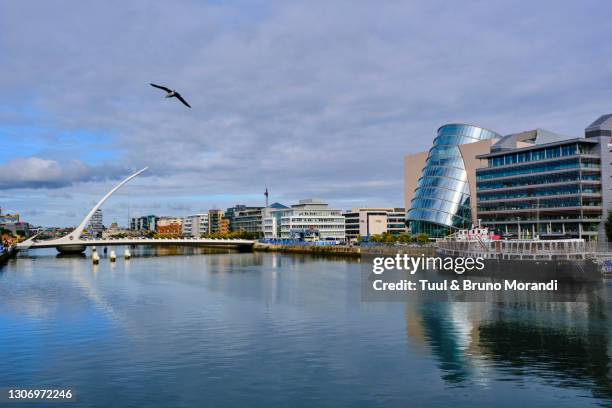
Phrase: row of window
(526, 205)
(534, 169)
(534, 155)
(292, 213)
(308, 225)
(538, 193)
(530, 180)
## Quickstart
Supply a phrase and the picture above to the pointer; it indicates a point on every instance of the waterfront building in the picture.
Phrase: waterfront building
(312, 219)
(538, 183)
(230, 213)
(366, 222)
(271, 220)
(217, 223)
(524, 184)
(248, 219)
(11, 223)
(440, 185)
(145, 223)
(195, 225)
(169, 225)
(17, 228)
(114, 230)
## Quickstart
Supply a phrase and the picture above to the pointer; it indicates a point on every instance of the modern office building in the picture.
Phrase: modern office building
(366, 222)
(538, 183)
(230, 213)
(271, 220)
(169, 225)
(195, 225)
(145, 223)
(524, 184)
(312, 219)
(440, 184)
(247, 219)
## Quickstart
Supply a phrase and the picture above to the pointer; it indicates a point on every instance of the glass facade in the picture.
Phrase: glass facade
(550, 191)
(442, 198)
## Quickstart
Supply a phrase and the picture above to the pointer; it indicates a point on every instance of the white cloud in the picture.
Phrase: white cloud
(305, 97)
(34, 172)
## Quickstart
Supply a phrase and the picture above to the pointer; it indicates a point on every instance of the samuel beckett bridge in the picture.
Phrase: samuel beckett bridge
(73, 243)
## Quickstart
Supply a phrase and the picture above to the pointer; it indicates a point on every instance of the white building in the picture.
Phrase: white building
(271, 228)
(195, 225)
(366, 222)
(271, 220)
(312, 220)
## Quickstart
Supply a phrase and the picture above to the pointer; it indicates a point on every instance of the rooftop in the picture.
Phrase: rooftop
(536, 146)
(523, 139)
(603, 122)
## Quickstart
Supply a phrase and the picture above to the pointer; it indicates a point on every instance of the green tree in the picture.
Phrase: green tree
(404, 238)
(422, 239)
(389, 238)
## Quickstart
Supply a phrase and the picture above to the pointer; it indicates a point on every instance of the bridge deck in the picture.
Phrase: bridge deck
(140, 241)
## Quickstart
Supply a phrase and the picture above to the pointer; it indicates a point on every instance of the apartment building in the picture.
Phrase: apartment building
(195, 225)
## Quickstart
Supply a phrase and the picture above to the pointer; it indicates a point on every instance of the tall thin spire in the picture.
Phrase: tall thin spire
(266, 194)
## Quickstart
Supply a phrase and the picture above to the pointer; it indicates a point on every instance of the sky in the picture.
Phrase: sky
(307, 98)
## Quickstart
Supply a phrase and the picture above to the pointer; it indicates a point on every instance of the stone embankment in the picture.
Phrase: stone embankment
(345, 250)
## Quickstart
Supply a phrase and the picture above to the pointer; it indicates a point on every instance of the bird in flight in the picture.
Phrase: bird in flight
(172, 94)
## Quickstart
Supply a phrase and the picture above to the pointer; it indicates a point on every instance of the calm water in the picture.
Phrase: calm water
(277, 330)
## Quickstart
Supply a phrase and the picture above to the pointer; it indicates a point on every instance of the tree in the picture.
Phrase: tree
(389, 238)
(422, 239)
(404, 238)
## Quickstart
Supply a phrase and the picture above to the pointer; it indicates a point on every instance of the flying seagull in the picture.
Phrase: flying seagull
(172, 93)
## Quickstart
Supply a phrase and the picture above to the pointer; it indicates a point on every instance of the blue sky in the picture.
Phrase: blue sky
(308, 98)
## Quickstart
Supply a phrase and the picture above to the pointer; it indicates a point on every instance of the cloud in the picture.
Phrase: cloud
(35, 173)
(309, 98)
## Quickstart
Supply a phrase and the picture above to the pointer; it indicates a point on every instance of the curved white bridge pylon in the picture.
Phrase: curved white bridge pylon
(73, 242)
(75, 236)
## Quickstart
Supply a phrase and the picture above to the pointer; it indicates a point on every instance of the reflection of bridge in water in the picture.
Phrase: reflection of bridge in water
(73, 243)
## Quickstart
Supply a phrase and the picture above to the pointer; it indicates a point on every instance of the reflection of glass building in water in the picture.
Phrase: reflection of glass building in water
(564, 345)
(440, 198)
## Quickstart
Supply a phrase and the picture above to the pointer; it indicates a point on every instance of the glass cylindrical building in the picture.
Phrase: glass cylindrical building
(441, 200)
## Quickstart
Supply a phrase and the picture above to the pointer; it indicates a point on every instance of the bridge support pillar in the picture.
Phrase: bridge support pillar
(71, 249)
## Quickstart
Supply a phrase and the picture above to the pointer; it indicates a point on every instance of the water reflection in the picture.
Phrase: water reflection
(268, 329)
(560, 344)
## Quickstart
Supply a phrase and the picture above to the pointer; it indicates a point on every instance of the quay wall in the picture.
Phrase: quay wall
(345, 250)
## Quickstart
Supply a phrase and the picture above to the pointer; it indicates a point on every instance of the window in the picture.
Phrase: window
(511, 159)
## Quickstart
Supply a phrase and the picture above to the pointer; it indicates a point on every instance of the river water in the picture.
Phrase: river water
(186, 329)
